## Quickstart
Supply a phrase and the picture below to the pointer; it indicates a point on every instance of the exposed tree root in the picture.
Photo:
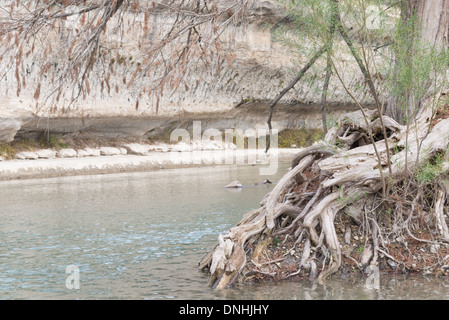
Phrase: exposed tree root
(339, 207)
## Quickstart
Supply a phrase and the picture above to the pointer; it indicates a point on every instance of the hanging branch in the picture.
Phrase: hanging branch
(342, 30)
(332, 27)
(327, 47)
(335, 25)
(290, 86)
(76, 46)
(324, 93)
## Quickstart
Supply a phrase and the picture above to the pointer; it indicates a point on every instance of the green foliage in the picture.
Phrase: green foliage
(52, 141)
(289, 138)
(276, 241)
(312, 22)
(337, 143)
(9, 150)
(393, 51)
(418, 65)
(430, 170)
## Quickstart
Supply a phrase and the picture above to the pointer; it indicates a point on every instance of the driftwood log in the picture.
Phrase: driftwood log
(347, 174)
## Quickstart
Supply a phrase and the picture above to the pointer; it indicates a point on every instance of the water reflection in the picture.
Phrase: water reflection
(355, 288)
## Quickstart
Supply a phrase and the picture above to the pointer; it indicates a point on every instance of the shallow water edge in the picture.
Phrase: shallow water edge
(59, 167)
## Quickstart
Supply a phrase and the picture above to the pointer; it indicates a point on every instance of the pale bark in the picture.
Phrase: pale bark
(434, 17)
(349, 177)
(432, 28)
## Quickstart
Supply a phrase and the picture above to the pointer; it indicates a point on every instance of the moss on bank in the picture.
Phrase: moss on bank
(301, 138)
(9, 150)
(296, 138)
(288, 138)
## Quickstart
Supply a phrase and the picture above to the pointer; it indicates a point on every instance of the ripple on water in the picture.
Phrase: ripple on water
(140, 236)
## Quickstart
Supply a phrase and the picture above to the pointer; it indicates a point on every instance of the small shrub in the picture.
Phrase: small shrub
(430, 170)
(52, 141)
(7, 151)
(300, 138)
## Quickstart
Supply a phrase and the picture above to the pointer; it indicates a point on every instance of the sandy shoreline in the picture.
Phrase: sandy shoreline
(57, 167)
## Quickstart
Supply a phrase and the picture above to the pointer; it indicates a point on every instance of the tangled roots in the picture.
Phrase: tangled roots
(368, 182)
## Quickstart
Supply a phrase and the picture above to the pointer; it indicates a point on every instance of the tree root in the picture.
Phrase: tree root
(336, 187)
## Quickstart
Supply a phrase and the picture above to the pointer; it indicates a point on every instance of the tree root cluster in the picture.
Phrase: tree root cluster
(351, 202)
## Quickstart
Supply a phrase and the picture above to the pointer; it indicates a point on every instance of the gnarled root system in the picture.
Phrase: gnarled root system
(352, 198)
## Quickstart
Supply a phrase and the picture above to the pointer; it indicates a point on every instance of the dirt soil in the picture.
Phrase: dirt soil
(281, 258)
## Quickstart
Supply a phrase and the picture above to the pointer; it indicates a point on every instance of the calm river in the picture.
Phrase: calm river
(141, 235)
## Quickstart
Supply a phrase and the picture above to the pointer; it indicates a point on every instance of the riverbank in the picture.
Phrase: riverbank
(50, 155)
(48, 163)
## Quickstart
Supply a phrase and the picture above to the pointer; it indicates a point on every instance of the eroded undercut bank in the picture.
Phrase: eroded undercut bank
(350, 202)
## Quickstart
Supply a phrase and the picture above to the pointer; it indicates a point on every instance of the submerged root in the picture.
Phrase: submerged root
(337, 209)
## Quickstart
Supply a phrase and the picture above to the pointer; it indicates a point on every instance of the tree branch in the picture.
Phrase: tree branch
(301, 73)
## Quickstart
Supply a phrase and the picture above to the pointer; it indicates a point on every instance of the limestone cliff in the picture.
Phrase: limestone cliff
(261, 69)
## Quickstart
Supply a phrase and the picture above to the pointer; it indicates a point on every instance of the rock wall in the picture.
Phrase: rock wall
(248, 116)
(261, 69)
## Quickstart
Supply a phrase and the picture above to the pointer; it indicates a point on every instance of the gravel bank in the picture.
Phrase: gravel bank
(105, 164)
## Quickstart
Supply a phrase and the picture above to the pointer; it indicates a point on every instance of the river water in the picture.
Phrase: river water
(141, 235)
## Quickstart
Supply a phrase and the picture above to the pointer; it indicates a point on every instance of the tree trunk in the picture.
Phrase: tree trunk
(432, 20)
(336, 188)
(434, 17)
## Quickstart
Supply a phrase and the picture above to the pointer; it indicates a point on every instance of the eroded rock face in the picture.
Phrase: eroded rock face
(8, 129)
(252, 116)
(260, 70)
(11, 119)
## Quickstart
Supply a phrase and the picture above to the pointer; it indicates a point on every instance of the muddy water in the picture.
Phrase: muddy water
(141, 235)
